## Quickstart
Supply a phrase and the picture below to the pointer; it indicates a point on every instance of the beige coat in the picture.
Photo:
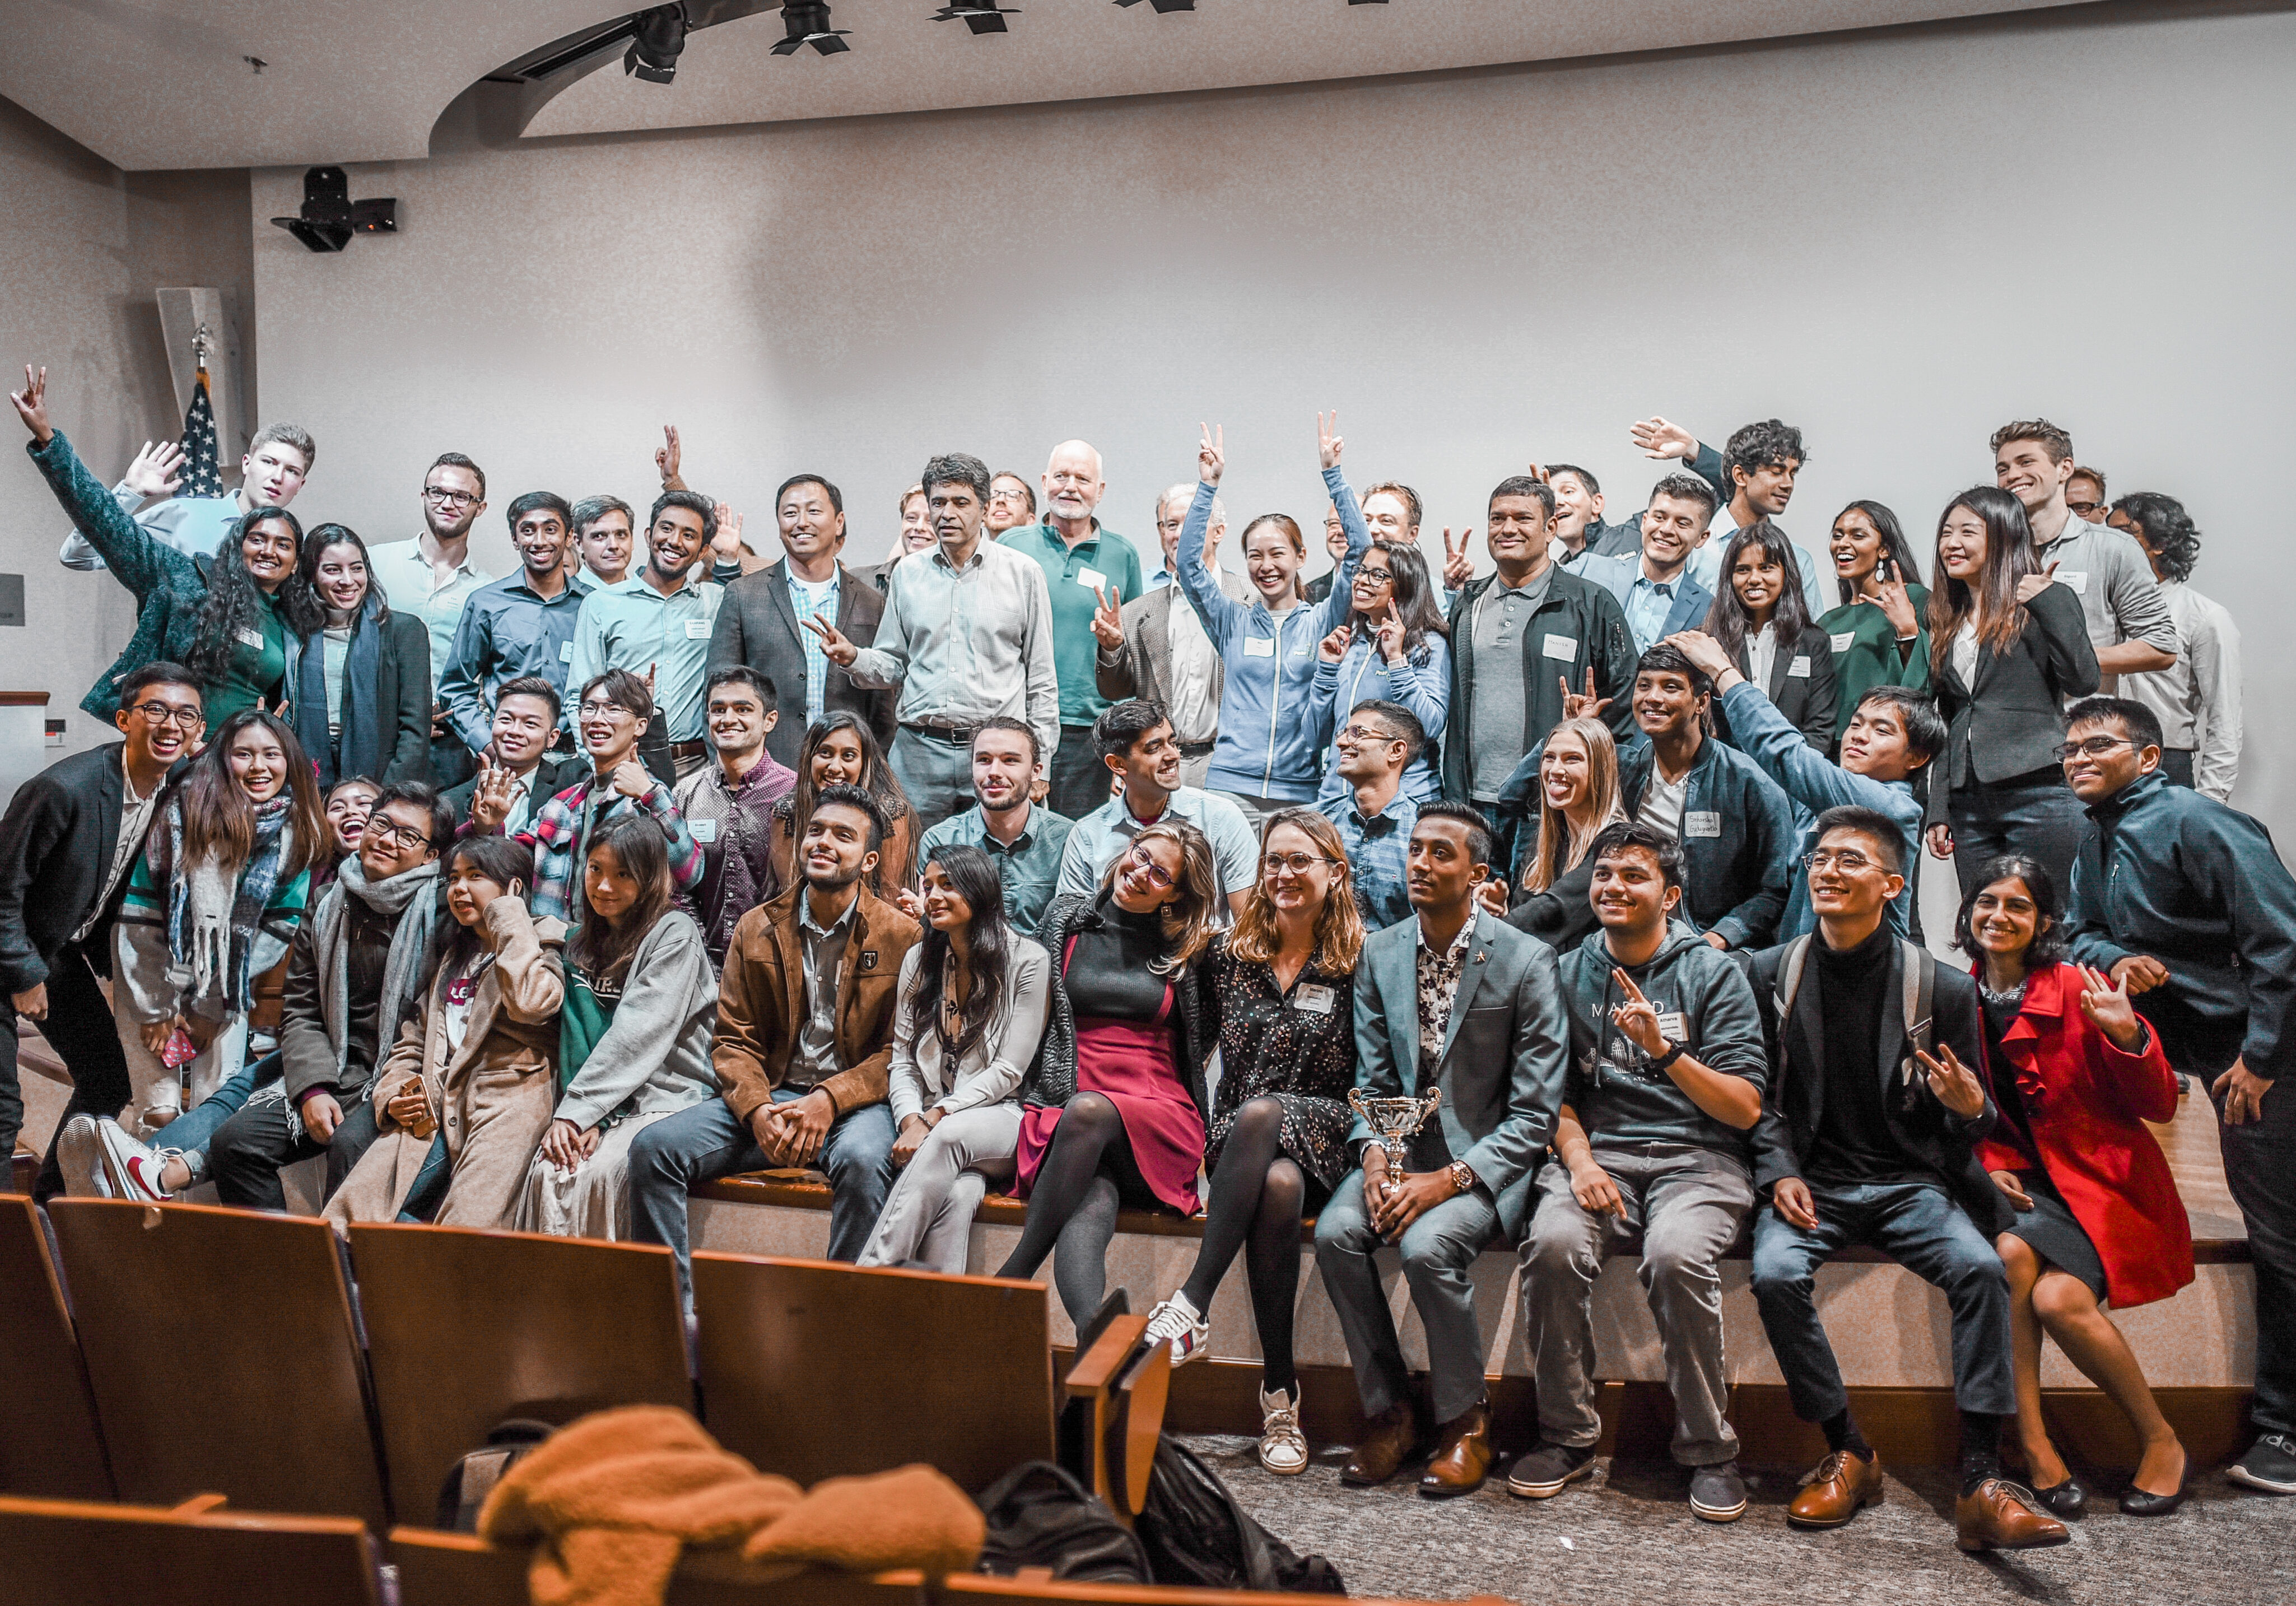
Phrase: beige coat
(493, 1098)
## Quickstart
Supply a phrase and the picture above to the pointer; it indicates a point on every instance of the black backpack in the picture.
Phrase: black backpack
(1196, 1534)
(470, 1480)
(1040, 1516)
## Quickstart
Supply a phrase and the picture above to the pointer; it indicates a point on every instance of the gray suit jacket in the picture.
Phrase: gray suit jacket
(756, 626)
(1142, 665)
(1504, 1057)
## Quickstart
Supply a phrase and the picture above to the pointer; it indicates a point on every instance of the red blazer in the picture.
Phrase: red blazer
(2086, 1102)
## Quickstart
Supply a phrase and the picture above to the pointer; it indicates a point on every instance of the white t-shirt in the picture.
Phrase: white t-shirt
(1664, 802)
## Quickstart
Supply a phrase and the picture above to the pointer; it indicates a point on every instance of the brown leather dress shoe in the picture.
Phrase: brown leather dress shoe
(1385, 1444)
(1843, 1485)
(1463, 1460)
(2000, 1515)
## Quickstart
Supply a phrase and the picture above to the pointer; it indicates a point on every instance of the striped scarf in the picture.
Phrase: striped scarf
(212, 921)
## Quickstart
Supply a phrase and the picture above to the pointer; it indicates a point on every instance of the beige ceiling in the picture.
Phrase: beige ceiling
(165, 84)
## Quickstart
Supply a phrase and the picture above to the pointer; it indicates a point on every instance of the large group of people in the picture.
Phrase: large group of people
(1021, 862)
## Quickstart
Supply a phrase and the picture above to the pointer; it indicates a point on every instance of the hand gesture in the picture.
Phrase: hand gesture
(1793, 1201)
(726, 545)
(1388, 635)
(1211, 453)
(1896, 605)
(1328, 441)
(157, 471)
(1702, 650)
(491, 799)
(2242, 1091)
(839, 652)
(2011, 1189)
(566, 1145)
(1956, 1086)
(1596, 1193)
(1107, 618)
(909, 903)
(31, 404)
(632, 779)
(1939, 838)
(1407, 1199)
(1334, 647)
(1458, 568)
(1589, 707)
(32, 1002)
(666, 457)
(2033, 584)
(2139, 973)
(320, 1116)
(2109, 1007)
(1661, 439)
(1638, 1017)
(1491, 892)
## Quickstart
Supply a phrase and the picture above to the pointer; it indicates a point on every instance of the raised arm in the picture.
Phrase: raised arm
(1222, 614)
(2067, 658)
(1333, 609)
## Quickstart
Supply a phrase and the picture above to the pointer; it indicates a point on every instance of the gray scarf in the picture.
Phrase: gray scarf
(410, 894)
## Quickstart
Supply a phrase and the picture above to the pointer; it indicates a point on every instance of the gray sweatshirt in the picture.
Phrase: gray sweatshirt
(657, 1046)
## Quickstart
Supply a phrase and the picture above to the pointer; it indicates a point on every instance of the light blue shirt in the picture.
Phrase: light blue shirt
(965, 645)
(811, 601)
(1377, 850)
(631, 625)
(195, 526)
(1107, 830)
(1647, 604)
(411, 585)
(1705, 567)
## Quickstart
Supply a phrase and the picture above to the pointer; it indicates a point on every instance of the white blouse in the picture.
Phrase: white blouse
(990, 1071)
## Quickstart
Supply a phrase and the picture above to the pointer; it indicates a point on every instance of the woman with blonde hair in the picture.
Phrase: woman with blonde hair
(1281, 994)
(1113, 1108)
(1578, 796)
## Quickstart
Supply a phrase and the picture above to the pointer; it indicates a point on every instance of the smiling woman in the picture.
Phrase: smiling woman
(362, 691)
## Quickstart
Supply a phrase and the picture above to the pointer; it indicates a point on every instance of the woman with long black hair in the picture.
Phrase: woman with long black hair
(1392, 647)
(971, 1012)
(2009, 648)
(1761, 620)
(841, 750)
(1879, 634)
(362, 692)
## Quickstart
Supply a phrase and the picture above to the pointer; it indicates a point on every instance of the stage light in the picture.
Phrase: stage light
(330, 217)
(1164, 6)
(653, 51)
(981, 16)
(808, 23)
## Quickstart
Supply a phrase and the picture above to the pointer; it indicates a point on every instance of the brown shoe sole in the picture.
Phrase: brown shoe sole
(1972, 1547)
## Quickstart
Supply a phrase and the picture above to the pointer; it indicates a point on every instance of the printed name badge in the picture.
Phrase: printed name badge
(1842, 643)
(697, 630)
(1672, 1027)
(2077, 581)
(249, 638)
(704, 831)
(1702, 823)
(1091, 577)
(1564, 647)
(1259, 646)
(566, 653)
(1800, 669)
(1316, 998)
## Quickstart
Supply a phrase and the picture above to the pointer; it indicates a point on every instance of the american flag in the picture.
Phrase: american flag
(202, 470)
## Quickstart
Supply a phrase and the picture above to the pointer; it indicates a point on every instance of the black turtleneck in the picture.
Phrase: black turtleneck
(1106, 972)
(1854, 1141)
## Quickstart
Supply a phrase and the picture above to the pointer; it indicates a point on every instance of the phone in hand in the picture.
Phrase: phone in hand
(179, 1050)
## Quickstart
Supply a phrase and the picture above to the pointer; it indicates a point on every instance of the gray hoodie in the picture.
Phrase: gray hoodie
(1618, 1098)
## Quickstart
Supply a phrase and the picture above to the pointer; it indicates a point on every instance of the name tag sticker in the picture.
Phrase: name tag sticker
(1564, 647)
(2077, 581)
(1091, 577)
(1702, 823)
(697, 630)
(249, 638)
(1842, 643)
(1800, 669)
(1259, 646)
(1672, 1027)
(1316, 998)
(704, 831)
(566, 653)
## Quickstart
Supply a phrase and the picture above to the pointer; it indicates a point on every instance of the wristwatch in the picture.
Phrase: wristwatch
(1463, 1177)
(1674, 1052)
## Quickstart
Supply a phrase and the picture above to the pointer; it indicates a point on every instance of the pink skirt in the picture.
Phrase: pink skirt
(1132, 1066)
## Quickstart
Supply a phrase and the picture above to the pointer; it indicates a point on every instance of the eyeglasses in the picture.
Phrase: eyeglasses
(2095, 747)
(1297, 863)
(1376, 577)
(1364, 733)
(602, 711)
(395, 836)
(431, 493)
(1848, 861)
(2087, 509)
(159, 713)
(1145, 861)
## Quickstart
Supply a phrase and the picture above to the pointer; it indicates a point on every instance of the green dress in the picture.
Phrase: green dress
(1866, 654)
(256, 671)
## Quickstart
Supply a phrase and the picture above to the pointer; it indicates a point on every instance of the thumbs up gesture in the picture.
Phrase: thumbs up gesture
(2033, 584)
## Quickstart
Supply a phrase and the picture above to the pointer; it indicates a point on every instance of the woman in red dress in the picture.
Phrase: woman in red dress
(1113, 1108)
(2076, 1074)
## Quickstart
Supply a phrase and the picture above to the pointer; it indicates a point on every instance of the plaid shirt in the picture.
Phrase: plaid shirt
(566, 821)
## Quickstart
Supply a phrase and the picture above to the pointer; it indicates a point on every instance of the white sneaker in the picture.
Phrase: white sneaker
(1177, 1322)
(132, 1168)
(79, 1156)
(1282, 1448)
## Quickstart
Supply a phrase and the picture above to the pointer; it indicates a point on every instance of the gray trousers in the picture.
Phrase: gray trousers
(936, 772)
(1439, 1256)
(1688, 1203)
(928, 1216)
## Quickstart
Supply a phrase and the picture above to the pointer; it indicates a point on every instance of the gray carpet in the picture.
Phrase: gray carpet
(1626, 1538)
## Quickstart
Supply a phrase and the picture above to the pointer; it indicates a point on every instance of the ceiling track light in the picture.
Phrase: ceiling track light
(807, 22)
(981, 16)
(658, 38)
(1164, 6)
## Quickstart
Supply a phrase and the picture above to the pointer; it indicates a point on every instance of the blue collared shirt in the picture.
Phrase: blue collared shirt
(1107, 830)
(631, 626)
(810, 600)
(1648, 602)
(1377, 850)
(508, 629)
(1028, 870)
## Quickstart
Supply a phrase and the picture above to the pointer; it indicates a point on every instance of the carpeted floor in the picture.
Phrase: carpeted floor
(1626, 1538)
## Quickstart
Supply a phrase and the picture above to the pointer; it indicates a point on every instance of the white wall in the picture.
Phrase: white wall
(1895, 240)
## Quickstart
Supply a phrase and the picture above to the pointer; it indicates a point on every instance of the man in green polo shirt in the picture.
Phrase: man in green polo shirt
(1083, 562)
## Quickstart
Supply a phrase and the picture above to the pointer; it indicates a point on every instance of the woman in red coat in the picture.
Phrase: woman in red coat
(2076, 1074)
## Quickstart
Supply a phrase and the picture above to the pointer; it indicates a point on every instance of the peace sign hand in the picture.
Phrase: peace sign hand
(1211, 453)
(667, 455)
(1638, 1017)
(2033, 584)
(2109, 1007)
(32, 405)
(1956, 1086)
(1458, 568)
(1589, 707)
(1328, 443)
(1388, 633)
(1107, 617)
(1334, 647)
(833, 644)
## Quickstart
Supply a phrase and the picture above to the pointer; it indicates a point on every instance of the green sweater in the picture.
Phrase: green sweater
(1865, 653)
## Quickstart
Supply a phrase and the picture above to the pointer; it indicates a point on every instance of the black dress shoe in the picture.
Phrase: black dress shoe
(2066, 1499)
(2140, 1503)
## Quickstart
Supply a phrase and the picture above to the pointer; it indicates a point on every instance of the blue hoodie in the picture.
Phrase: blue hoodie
(1269, 744)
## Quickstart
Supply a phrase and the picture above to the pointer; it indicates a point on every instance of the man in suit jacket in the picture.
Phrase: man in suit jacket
(1155, 648)
(67, 844)
(758, 622)
(805, 1043)
(1656, 589)
(1868, 1136)
(525, 718)
(1452, 1000)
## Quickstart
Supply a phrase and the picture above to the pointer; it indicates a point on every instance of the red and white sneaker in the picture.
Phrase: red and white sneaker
(132, 1168)
(1177, 1322)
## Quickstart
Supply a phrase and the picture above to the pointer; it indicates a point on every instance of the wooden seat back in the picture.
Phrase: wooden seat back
(467, 1329)
(814, 1370)
(978, 1589)
(50, 1446)
(68, 1553)
(222, 1356)
(438, 1568)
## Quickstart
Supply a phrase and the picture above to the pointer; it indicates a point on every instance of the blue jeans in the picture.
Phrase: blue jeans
(708, 1141)
(1933, 1237)
(430, 1179)
(189, 1133)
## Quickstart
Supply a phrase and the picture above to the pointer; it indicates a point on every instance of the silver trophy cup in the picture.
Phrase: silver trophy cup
(1396, 1120)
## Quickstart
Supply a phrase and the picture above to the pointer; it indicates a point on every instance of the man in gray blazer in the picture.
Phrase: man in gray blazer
(1156, 649)
(758, 622)
(1453, 999)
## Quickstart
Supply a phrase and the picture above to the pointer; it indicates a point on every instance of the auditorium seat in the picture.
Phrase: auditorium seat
(437, 1569)
(50, 1446)
(58, 1552)
(222, 1355)
(466, 1329)
(978, 1589)
(814, 1370)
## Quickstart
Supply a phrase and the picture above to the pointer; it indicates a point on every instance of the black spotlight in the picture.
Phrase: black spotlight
(654, 53)
(1164, 6)
(330, 217)
(808, 23)
(981, 16)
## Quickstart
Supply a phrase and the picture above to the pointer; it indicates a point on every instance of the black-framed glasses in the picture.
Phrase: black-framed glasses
(159, 713)
(1847, 860)
(1376, 577)
(1147, 861)
(1298, 863)
(2087, 511)
(397, 836)
(432, 493)
(2095, 747)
